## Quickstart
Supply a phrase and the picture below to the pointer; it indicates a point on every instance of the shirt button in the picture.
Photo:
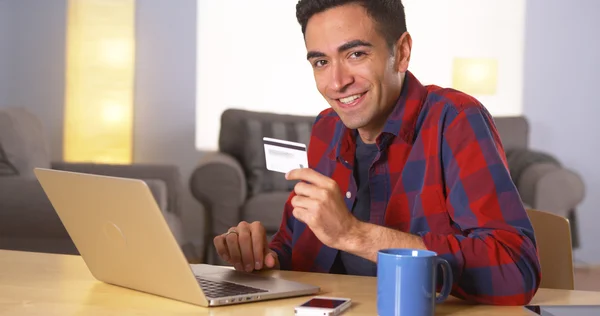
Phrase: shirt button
(348, 195)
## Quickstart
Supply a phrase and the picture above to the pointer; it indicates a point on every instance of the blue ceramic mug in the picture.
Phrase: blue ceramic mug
(406, 282)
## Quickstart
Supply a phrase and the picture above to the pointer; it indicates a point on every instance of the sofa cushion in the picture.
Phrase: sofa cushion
(242, 135)
(513, 130)
(260, 179)
(266, 208)
(22, 141)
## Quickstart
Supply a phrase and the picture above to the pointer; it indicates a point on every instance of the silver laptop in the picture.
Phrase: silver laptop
(564, 310)
(124, 239)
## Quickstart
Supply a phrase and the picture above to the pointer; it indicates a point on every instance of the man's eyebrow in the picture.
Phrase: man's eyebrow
(342, 48)
(314, 54)
(353, 44)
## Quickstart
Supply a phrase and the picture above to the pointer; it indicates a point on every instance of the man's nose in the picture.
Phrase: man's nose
(341, 78)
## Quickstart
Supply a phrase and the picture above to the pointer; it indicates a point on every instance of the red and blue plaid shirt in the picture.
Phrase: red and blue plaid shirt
(441, 174)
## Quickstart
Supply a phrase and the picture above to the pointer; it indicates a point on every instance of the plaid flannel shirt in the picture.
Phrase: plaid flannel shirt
(441, 174)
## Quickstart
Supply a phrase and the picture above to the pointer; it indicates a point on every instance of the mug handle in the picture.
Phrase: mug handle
(447, 273)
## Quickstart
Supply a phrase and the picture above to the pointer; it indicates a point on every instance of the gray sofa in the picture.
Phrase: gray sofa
(233, 183)
(28, 221)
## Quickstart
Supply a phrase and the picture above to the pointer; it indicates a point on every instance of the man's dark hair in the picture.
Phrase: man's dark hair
(388, 15)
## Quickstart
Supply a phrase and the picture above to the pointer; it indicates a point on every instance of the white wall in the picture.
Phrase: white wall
(561, 97)
(470, 29)
(36, 49)
(251, 55)
(165, 93)
(165, 82)
(3, 52)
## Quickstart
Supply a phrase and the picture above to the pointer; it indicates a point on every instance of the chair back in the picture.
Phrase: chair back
(553, 236)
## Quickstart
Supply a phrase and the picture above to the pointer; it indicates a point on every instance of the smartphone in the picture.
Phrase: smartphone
(323, 306)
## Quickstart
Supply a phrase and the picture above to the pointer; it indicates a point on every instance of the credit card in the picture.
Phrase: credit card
(283, 156)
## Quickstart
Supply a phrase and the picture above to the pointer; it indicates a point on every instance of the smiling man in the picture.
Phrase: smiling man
(394, 164)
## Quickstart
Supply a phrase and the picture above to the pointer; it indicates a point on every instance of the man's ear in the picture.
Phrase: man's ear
(402, 52)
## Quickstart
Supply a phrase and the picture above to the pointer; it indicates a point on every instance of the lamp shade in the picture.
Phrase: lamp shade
(477, 76)
(100, 81)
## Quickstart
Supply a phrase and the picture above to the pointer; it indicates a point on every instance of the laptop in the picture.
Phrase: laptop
(122, 236)
(564, 310)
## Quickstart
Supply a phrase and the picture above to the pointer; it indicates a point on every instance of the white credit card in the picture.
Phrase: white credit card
(283, 156)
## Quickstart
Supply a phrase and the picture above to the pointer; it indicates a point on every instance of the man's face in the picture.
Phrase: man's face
(353, 67)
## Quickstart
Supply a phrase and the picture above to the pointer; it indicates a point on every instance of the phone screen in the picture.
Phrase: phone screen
(323, 303)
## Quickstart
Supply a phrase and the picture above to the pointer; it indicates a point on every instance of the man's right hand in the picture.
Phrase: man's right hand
(246, 247)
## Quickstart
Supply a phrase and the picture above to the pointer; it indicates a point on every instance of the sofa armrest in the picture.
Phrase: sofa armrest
(219, 183)
(166, 173)
(26, 212)
(550, 187)
(543, 182)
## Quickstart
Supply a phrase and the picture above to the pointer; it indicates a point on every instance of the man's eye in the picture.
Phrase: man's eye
(320, 63)
(357, 54)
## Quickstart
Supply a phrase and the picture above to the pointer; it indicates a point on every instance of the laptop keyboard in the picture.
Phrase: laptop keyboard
(216, 289)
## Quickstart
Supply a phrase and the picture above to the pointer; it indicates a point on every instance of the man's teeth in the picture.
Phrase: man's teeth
(350, 98)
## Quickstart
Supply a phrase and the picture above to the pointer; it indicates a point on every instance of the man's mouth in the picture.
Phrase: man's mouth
(351, 100)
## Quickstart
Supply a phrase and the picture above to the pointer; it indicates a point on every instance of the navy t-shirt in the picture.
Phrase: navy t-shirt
(347, 263)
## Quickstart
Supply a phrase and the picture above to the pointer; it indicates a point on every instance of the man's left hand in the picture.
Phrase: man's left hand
(320, 205)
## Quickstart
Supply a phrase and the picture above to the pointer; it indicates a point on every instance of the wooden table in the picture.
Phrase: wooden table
(46, 284)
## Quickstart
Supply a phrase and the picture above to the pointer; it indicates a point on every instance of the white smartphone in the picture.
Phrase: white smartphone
(323, 306)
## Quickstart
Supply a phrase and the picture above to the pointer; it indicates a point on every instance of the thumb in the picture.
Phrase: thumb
(271, 259)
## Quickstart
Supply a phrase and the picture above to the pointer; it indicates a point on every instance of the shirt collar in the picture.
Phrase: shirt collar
(401, 122)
